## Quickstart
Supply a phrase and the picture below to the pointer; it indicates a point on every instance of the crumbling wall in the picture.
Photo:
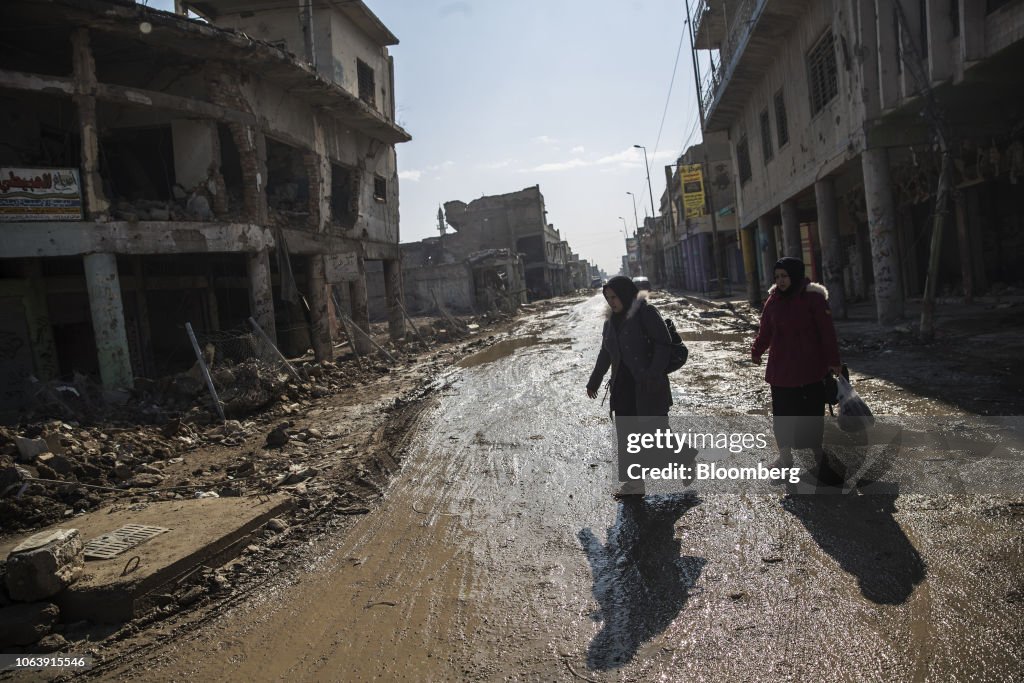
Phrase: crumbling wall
(452, 284)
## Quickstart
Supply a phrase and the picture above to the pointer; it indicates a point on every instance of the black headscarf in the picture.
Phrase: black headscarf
(625, 290)
(794, 267)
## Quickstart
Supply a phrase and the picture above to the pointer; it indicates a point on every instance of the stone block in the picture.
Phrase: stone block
(26, 624)
(44, 564)
(28, 449)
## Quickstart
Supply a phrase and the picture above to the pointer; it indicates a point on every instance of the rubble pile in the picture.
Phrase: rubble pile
(35, 571)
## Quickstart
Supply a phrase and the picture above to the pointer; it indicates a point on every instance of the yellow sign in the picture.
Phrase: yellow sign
(693, 190)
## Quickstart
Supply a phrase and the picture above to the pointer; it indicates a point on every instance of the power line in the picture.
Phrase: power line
(668, 98)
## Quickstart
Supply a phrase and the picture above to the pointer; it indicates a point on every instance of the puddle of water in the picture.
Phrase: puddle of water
(505, 347)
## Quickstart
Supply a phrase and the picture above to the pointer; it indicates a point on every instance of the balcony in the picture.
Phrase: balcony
(740, 55)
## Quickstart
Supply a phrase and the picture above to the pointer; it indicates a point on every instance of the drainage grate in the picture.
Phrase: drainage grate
(116, 542)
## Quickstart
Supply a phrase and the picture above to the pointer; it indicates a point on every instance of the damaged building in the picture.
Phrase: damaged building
(159, 169)
(516, 221)
(837, 114)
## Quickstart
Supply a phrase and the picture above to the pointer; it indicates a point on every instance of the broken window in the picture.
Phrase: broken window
(287, 180)
(766, 136)
(367, 86)
(344, 196)
(743, 158)
(231, 167)
(781, 121)
(822, 73)
(380, 189)
(138, 164)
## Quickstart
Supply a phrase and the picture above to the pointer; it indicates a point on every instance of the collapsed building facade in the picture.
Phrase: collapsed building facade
(516, 221)
(159, 170)
(833, 112)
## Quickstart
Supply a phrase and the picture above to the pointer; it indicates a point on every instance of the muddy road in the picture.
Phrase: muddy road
(497, 553)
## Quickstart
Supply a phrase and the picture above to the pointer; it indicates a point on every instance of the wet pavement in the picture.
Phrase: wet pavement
(499, 554)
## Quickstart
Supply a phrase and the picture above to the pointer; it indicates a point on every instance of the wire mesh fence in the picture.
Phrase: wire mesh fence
(246, 371)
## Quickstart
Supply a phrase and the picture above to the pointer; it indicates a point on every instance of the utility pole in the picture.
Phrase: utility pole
(649, 190)
(636, 221)
(715, 246)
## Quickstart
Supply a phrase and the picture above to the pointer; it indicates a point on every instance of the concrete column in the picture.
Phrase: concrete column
(147, 363)
(40, 329)
(940, 32)
(261, 294)
(791, 243)
(393, 295)
(831, 247)
(889, 65)
(769, 252)
(964, 246)
(358, 299)
(882, 235)
(972, 32)
(104, 287)
(319, 301)
(749, 244)
(84, 67)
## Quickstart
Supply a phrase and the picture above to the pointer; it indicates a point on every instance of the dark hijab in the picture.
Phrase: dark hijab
(794, 267)
(627, 293)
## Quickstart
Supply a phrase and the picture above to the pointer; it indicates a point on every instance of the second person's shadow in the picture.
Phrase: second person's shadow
(640, 580)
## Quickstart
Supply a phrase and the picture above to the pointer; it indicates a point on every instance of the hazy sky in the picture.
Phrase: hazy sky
(501, 95)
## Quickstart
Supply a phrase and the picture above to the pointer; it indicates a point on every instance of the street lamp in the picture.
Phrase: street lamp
(636, 221)
(649, 190)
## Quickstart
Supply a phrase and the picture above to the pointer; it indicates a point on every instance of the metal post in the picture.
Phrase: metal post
(715, 247)
(263, 335)
(206, 372)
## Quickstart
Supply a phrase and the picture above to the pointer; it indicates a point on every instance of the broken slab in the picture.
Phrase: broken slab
(44, 564)
(207, 531)
(28, 449)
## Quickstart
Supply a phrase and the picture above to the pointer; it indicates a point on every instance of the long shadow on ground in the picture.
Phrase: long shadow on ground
(867, 542)
(640, 580)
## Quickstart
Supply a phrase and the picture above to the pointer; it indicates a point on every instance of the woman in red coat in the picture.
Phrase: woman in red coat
(797, 330)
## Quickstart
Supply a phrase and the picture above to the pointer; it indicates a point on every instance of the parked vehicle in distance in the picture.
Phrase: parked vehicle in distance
(642, 282)
(596, 283)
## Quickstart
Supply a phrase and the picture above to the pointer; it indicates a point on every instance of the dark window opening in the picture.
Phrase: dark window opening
(287, 180)
(380, 189)
(533, 248)
(743, 159)
(30, 45)
(954, 16)
(367, 86)
(344, 196)
(822, 73)
(230, 166)
(38, 130)
(899, 39)
(138, 163)
(766, 137)
(781, 120)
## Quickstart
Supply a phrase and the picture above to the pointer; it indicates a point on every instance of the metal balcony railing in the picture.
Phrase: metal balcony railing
(740, 24)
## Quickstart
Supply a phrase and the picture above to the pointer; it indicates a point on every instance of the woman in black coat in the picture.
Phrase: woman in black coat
(636, 346)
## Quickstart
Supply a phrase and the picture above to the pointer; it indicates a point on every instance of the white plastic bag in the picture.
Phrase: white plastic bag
(854, 414)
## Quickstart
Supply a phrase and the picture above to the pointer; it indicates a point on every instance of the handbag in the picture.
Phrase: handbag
(678, 353)
(854, 414)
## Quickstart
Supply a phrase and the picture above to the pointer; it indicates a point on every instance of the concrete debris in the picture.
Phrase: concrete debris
(27, 623)
(44, 564)
(277, 525)
(279, 435)
(53, 642)
(29, 449)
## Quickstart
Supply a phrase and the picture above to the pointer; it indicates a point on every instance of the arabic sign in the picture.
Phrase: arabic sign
(40, 194)
(693, 190)
(341, 268)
